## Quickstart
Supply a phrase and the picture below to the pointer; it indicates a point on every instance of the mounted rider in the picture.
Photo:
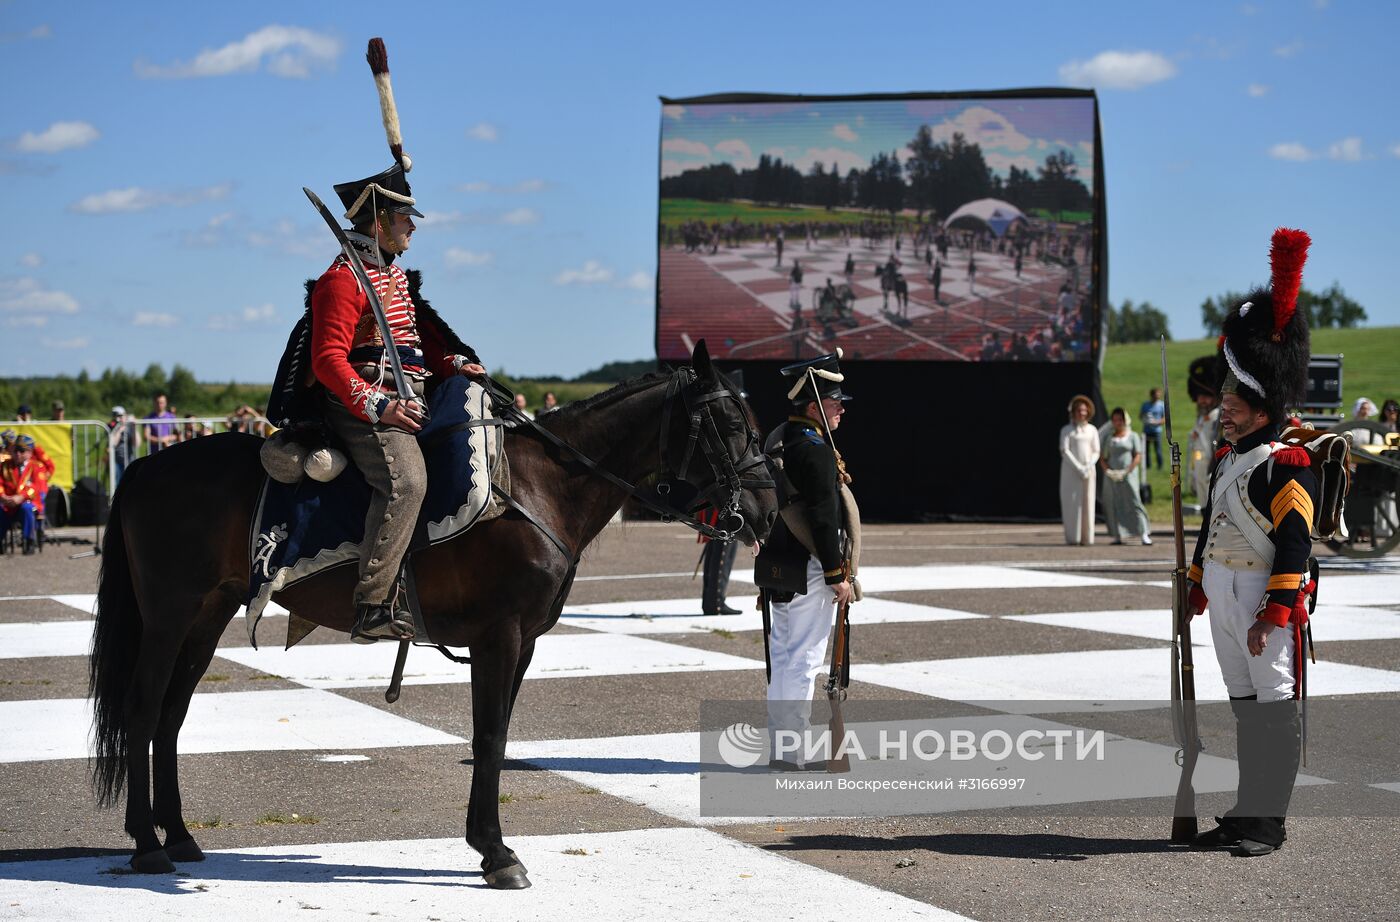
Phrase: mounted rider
(335, 374)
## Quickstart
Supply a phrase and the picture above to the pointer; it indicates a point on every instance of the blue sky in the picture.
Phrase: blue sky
(154, 153)
(846, 135)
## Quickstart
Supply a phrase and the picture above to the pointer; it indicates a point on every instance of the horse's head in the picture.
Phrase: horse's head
(710, 440)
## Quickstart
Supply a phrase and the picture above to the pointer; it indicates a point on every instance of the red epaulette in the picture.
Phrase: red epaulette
(1293, 456)
(1222, 451)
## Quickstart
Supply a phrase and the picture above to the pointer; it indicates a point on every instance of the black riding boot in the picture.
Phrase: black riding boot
(389, 620)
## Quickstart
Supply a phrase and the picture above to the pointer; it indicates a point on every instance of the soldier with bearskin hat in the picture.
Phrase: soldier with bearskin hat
(1201, 384)
(350, 390)
(815, 529)
(1251, 564)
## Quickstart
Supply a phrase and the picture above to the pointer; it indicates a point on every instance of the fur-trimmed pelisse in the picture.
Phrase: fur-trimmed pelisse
(1265, 346)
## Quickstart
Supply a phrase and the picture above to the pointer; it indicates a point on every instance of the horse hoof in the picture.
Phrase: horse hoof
(156, 862)
(187, 850)
(511, 878)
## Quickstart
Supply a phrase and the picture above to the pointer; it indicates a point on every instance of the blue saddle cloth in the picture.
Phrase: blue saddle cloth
(304, 528)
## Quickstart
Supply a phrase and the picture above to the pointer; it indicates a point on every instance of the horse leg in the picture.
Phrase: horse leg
(190, 667)
(494, 671)
(144, 699)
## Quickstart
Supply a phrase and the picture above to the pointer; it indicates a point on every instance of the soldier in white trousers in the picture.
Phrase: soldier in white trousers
(1251, 565)
(810, 535)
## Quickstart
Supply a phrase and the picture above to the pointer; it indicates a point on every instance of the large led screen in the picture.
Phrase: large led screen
(927, 228)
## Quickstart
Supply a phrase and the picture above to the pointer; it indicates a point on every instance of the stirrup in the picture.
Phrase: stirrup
(380, 622)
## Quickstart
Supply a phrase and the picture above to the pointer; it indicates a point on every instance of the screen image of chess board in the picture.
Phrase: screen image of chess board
(910, 228)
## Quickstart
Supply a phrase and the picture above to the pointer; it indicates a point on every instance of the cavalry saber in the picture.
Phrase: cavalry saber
(1183, 665)
(391, 349)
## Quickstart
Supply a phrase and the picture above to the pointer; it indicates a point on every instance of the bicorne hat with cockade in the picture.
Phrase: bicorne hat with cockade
(1265, 347)
(387, 190)
(822, 372)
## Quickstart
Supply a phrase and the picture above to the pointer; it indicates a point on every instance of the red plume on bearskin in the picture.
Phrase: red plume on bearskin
(1287, 255)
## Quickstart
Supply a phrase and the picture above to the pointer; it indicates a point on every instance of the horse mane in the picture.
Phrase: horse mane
(616, 392)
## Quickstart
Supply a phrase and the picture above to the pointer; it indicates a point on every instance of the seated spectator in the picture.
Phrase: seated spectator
(23, 485)
(1390, 415)
(550, 403)
(520, 405)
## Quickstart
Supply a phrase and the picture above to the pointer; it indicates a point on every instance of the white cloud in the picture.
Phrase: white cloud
(77, 342)
(638, 281)
(739, 153)
(844, 132)
(484, 131)
(682, 146)
(672, 111)
(457, 257)
(287, 51)
(1257, 89)
(674, 168)
(1395, 150)
(58, 136)
(980, 125)
(1289, 50)
(136, 198)
(1348, 149)
(1321, 4)
(439, 219)
(30, 296)
(520, 216)
(26, 320)
(153, 319)
(31, 260)
(592, 273)
(524, 186)
(1119, 70)
(40, 31)
(1291, 150)
(1002, 163)
(249, 316)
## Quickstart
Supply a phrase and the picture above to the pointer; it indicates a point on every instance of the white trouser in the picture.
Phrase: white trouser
(797, 651)
(1234, 599)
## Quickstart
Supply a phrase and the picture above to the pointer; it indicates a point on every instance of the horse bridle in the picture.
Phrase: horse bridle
(728, 473)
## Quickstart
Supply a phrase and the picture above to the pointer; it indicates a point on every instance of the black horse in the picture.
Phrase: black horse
(176, 562)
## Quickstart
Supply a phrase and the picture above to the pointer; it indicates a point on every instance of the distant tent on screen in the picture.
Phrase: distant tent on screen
(991, 213)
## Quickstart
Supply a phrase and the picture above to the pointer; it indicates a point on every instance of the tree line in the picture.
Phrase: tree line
(87, 397)
(936, 179)
(1328, 308)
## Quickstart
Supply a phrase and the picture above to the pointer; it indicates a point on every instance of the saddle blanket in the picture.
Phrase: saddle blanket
(304, 528)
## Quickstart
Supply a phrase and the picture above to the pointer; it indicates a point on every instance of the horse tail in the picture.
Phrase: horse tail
(116, 641)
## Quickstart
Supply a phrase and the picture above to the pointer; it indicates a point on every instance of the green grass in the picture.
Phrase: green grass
(676, 211)
(1371, 368)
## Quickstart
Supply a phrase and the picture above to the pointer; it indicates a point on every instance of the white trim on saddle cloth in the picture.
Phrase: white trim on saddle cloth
(486, 455)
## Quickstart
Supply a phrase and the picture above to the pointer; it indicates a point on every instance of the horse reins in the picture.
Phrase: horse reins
(728, 472)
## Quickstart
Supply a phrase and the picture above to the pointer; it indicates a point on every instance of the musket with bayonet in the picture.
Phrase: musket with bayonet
(1183, 665)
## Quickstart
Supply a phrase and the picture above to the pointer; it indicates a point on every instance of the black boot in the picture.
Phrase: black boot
(380, 622)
